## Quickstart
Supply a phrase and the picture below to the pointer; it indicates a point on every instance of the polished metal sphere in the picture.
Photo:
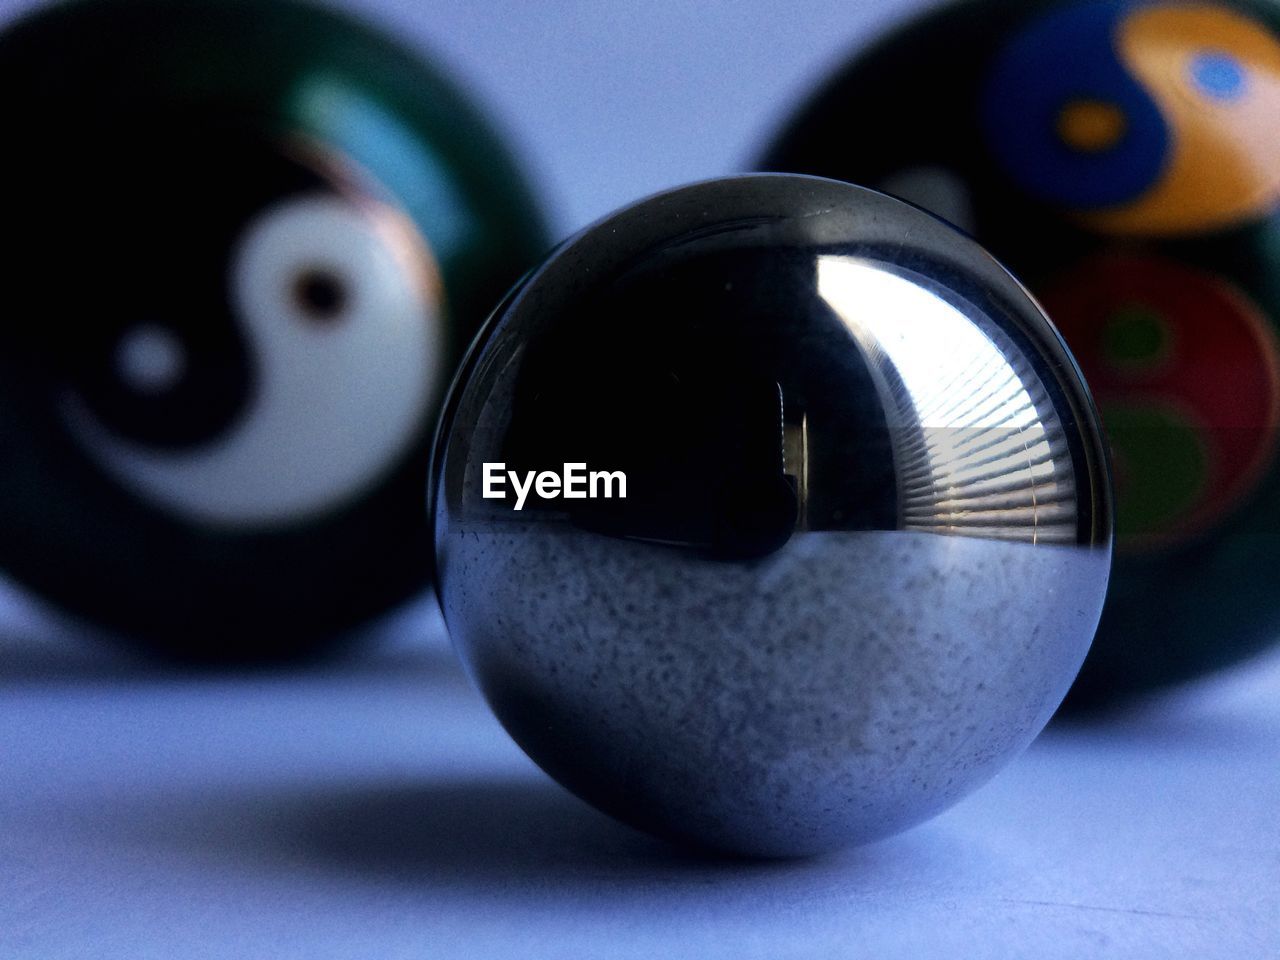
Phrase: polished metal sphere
(866, 528)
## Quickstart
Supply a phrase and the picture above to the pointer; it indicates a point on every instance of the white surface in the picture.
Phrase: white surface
(374, 809)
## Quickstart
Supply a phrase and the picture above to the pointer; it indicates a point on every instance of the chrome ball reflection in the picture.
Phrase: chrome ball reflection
(867, 529)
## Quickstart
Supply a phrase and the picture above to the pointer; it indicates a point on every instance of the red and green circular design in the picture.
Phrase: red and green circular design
(1186, 374)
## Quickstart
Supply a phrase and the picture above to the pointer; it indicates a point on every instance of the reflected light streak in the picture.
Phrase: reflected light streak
(980, 451)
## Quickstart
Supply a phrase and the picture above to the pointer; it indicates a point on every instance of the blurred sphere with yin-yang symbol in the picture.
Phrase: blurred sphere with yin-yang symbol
(246, 242)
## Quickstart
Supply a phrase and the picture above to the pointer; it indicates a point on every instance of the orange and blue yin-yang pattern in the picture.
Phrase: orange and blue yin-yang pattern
(1141, 119)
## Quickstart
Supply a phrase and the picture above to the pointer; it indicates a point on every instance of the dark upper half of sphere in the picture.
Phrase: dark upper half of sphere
(772, 354)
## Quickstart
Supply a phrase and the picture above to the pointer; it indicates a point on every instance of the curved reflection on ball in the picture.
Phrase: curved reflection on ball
(866, 534)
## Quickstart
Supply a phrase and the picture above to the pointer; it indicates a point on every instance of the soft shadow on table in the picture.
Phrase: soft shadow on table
(44, 660)
(520, 836)
(1218, 712)
(42, 653)
(56, 659)
(39, 646)
(1172, 726)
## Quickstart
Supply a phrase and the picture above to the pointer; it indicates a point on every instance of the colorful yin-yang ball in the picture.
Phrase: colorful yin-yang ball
(245, 243)
(1123, 158)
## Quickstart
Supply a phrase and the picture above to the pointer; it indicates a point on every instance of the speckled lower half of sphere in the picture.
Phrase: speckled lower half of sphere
(847, 686)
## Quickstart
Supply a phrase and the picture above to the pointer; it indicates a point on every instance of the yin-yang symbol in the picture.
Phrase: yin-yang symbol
(271, 340)
(1185, 369)
(1140, 119)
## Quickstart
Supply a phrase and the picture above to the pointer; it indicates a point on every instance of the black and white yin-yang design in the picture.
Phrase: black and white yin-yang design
(244, 247)
(284, 350)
